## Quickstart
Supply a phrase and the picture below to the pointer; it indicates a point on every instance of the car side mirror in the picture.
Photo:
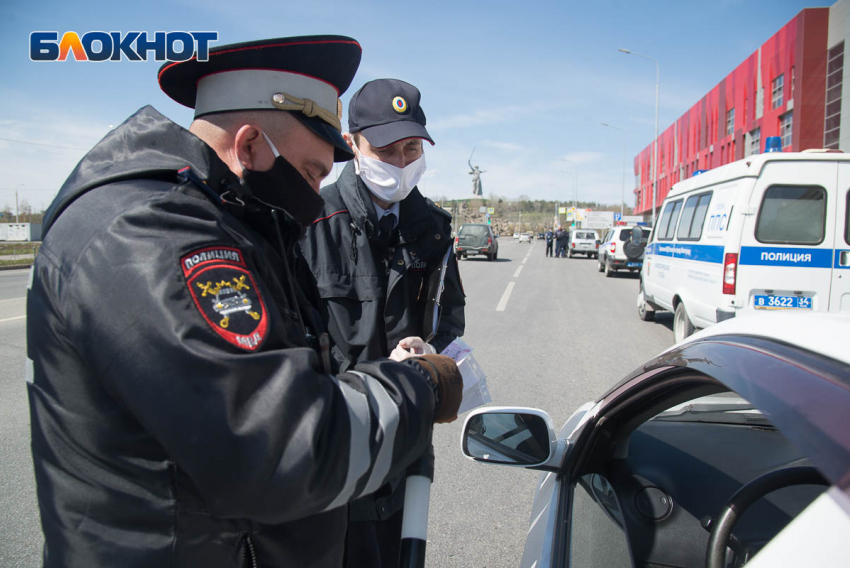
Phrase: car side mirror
(522, 437)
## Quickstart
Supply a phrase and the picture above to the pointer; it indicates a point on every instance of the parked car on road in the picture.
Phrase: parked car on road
(770, 232)
(526, 238)
(622, 249)
(678, 463)
(583, 241)
(476, 238)
(541, 236)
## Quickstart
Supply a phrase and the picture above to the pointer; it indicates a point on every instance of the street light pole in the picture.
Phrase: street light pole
(655, 150)
(623, 196)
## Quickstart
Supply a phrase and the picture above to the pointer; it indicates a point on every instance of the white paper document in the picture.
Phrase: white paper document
(475, 392)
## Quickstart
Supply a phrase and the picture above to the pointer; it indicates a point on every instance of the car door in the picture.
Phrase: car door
(839, 299)
(788, 237)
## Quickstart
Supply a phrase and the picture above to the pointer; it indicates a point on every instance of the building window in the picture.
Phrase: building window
(755, 141)
(832, 116)
(785, 129)
(777, 85)
(730, 122)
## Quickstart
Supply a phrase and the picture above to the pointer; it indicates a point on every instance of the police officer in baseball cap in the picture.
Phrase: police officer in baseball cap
(377, 225)
(184, 408)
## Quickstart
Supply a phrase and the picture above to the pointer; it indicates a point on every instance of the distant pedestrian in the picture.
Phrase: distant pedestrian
(561, 237)
(550, 241)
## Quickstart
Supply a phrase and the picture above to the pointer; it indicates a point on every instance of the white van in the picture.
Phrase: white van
(764, 233)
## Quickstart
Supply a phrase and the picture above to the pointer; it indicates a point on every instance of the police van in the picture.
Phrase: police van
(769, 232)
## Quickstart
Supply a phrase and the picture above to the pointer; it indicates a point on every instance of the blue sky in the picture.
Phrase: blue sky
(526, 83)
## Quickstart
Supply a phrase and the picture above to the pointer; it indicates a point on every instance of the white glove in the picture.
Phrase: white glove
(411, 347)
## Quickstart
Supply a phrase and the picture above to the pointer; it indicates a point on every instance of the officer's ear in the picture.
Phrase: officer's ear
(349, 139)
(248, 145)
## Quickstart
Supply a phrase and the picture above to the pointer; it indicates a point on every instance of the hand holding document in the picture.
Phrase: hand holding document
(475, 392)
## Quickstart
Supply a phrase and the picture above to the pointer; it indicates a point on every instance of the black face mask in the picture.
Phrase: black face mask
(285, 188)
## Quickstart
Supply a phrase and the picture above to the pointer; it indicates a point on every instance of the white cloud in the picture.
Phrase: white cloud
(583, 157)
(506, 146)
(41, 151)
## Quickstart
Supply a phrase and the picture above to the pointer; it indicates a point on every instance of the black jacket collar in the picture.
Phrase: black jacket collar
(415, 217)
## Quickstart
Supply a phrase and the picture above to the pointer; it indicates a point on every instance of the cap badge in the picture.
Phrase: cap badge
(399, 105)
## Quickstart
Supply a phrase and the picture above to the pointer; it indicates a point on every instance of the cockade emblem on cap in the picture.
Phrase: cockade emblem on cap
(399, 105)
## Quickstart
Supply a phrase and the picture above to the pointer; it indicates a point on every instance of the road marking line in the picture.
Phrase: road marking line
(13, 299)
(505, 297)
(518, 270)
(13, 319)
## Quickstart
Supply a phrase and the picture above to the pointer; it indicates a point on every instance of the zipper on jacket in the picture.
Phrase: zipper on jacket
(250, 554)
(290, 288)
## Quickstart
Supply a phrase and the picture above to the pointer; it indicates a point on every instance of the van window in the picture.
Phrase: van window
(474, 230)
(693, 217)
(668, 220)
(792, 215)
(847, 220)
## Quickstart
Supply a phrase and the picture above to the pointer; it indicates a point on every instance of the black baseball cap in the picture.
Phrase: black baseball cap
(302, 75)
(386, 111)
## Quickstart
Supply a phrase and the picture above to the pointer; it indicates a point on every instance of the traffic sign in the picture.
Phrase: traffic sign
(491, 210)
(562, 210)
(617, 216)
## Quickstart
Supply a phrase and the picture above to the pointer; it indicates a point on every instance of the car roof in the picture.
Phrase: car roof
(823, 333)
(750, 166)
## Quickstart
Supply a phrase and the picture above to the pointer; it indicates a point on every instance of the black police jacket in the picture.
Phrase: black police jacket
(180, 416)
(371, 295)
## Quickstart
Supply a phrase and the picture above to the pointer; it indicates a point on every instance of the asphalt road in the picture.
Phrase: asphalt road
(561, 336)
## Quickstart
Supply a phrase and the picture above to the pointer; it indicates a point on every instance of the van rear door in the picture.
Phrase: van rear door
(786, 255)
(839, 300)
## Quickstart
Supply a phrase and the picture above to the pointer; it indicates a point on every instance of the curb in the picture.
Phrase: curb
(16, 266)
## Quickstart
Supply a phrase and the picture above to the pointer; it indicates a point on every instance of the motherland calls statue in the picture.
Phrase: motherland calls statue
(476, 177)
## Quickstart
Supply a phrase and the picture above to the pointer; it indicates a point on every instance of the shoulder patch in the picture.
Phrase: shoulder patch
(226, 294)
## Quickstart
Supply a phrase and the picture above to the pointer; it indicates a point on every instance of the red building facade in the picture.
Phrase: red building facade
(778, 91)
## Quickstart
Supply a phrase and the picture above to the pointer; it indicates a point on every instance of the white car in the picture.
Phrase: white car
(661, 468)
(769, 232)
(526, 238)
(622, 248)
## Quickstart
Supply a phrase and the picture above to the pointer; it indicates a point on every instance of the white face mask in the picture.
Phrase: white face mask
(389, 183)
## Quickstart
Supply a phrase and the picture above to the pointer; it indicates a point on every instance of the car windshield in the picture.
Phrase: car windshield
(724, 408)
(473, 230)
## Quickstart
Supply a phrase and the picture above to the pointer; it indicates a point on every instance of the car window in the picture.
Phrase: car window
(693, 217)
(474, 230)
(847, 219)
(792, 214)
(625, 234)
(597, 535)
(687, 217)
(668, 220)
(699, 217)
(586, 236)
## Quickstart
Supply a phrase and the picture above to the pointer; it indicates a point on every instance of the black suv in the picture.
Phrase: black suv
(476, 238)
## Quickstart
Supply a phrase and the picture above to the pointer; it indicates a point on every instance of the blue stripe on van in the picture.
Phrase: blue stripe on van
(837, 263)
(702, 253)
(786, 256)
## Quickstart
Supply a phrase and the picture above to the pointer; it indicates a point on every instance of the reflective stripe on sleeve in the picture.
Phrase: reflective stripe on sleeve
(387, 412)
(359, 454)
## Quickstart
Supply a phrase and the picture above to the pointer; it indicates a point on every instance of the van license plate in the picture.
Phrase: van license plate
(782, 302)
(632, 264)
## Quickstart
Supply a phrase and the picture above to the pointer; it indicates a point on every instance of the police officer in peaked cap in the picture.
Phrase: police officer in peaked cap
(183, 404)
(377, 225)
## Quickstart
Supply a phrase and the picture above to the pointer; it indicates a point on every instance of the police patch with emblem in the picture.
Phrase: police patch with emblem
(226, 294)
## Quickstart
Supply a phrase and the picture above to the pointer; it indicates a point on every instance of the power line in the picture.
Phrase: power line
(45, 145)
